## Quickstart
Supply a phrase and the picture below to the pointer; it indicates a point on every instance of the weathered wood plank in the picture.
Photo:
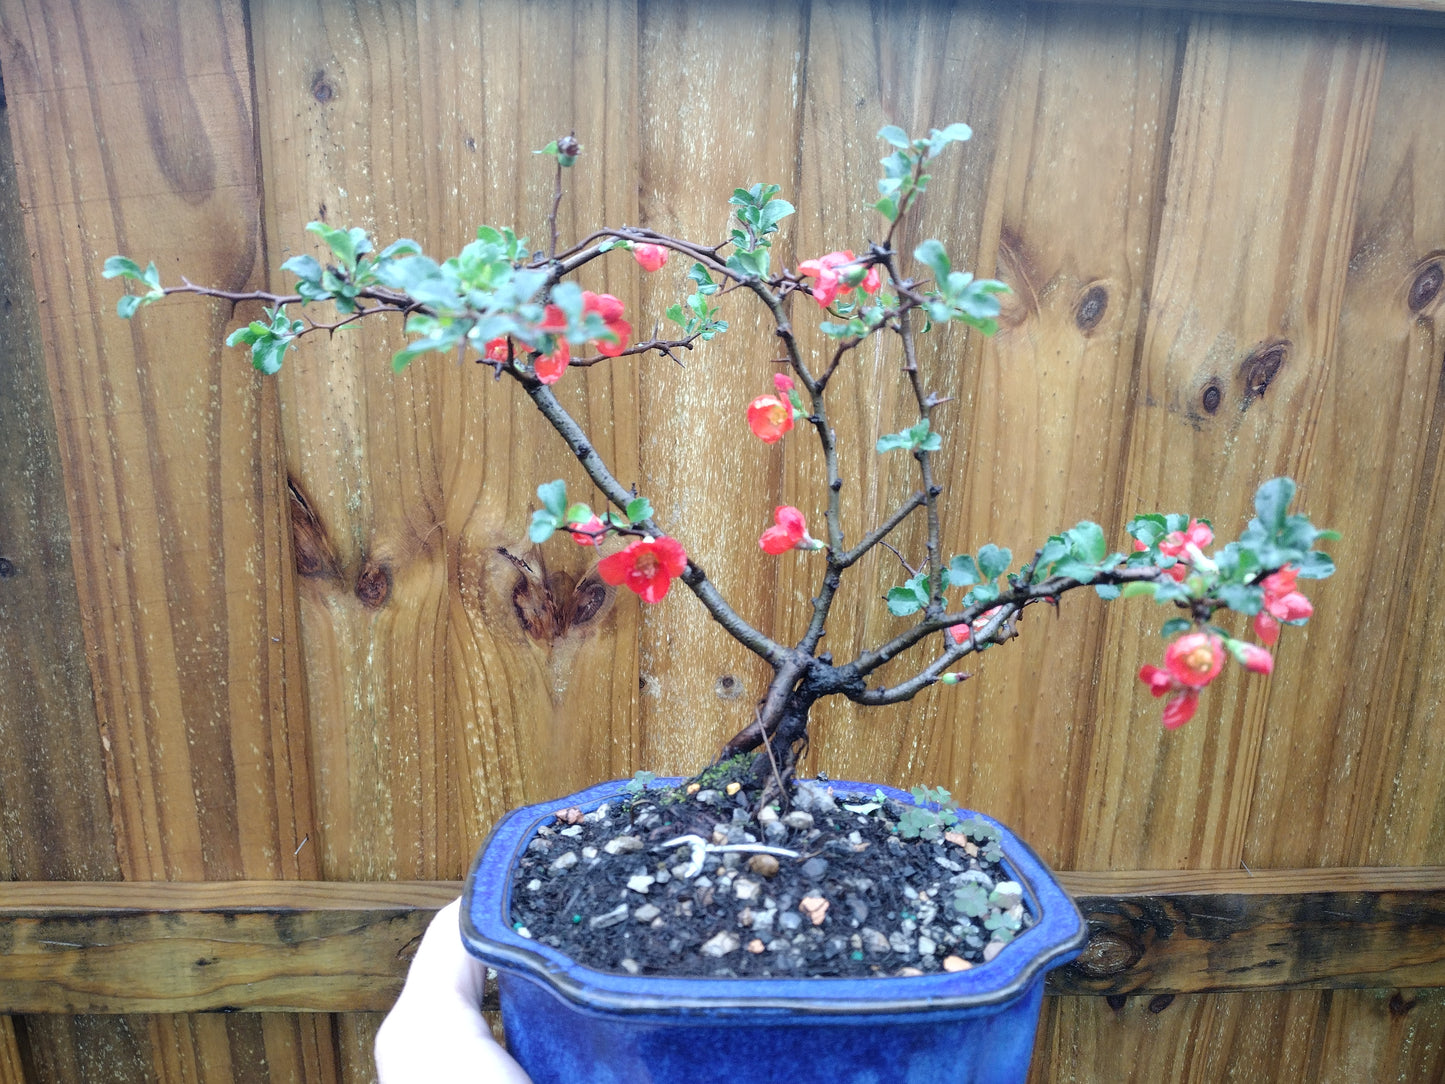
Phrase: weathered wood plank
(1373, 778)
(1056, 195)
(334, 946)
(1272, 124)
(1393, 12)
(543, 683)
(1337, 1036)
(133, 129)
(703, 132)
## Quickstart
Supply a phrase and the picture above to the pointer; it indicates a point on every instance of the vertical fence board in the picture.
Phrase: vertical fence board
(705, 131)
(1368, 660)
(1271, 127)
(169, 458)
(543, 687)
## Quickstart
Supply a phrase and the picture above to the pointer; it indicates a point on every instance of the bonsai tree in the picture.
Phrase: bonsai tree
(517, 311)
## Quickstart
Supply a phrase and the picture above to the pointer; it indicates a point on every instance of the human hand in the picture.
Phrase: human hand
(435, 1033)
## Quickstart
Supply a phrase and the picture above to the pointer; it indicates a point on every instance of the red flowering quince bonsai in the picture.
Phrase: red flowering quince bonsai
(517, 311)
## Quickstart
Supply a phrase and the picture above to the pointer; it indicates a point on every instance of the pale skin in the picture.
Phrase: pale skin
(435, 1033)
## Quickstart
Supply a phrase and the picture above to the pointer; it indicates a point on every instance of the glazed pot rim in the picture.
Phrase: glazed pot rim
(1057, 936)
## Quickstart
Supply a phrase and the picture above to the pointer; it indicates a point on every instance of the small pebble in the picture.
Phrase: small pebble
(564, 862)
(732, 789)
(798, 819)
(647, 912)
(589, 853)
(756, 946)
(571, 815)
(927, 946)
(611, 918)
(631, 966)
(955, 963)
(534, 885)
(901, 943)
(720, 944)
(815, 907)
(571, 833)
(764, 865)
(767, 815)
(641, 883)
(707, 797)
(747, 890)
(873, 941)
(908, 972)
(623, 845)
(814, 868)
(992, 949)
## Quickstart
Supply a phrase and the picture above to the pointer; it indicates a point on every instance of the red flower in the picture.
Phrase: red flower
(589, 532)
(610, 309)
(1255, 659)
(651, 257)
(1282, 602)
(769, 417)
(1179, 709)
(1194, 659)
(647, 567)
(553, 319)
(961, 632)
(790, 533)
(550, 367)
(1176, 543)
(1191, 662)
(783, 382)
(830, 283)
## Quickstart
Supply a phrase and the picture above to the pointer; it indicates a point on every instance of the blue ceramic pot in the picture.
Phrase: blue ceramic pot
(570, 1024)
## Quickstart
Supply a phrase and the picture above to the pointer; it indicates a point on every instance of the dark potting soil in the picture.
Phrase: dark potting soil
(849, 895)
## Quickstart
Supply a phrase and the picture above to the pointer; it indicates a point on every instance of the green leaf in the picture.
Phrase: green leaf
(1134, 590)
(993, 561)
(579, 513)
(902, 601)
(543, 525)
(266, 354)
(891, 441)
(931, 443)
(1076, 570)
(121, 266)
(1244, 598)
(891, 133)
(128, 303)
(639, 509)
(1175, 626)
(935, 256)
(1271, 501)
(962, 571)
(306, 268)
(403, 246)
(1087, 541)
(1316, 565)
(1106, 590)
(553, 496)
(888, 208)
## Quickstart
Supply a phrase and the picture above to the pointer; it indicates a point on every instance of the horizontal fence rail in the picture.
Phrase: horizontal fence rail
(115, 947)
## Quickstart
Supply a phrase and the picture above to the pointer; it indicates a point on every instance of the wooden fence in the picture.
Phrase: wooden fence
(290, 632)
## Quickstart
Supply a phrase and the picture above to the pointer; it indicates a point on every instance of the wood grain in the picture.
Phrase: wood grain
(1371, 778)
(72, 947)
(1241, 340)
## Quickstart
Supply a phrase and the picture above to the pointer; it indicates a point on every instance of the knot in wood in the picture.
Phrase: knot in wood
(7, 568)
(321, 88)
(1258, 370)
(1091, 308)
(373, 585)
(1426, 285)
(1108, 954)
(1213, 396)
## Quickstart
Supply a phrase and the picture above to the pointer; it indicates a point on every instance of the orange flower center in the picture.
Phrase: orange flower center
(646, 563)
(1200, 660)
